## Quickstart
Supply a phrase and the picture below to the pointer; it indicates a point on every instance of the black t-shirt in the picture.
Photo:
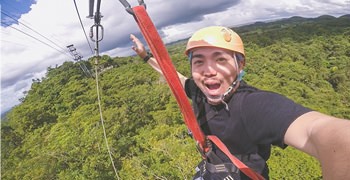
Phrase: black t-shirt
(256, 119)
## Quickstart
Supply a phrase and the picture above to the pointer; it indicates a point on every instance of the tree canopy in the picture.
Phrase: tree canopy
(56, 132)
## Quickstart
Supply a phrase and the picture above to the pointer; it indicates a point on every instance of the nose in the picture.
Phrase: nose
(209, 70)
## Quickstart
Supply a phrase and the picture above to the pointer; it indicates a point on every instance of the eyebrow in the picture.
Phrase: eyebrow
(197, 56)
(215, 54)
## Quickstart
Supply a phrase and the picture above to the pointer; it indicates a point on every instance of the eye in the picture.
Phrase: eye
(221, 60)
(197, 62)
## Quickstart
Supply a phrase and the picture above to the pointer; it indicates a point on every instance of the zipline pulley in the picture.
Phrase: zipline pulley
(128, 7)
(97, 25)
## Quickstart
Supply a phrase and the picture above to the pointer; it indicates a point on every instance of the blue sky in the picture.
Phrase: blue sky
(14, 8)
(46, 27)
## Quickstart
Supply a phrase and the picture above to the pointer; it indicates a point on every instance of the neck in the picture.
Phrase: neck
(225, 97)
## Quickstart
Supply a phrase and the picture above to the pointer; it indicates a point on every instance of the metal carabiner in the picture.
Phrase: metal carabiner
(128, 7)
(92, 32)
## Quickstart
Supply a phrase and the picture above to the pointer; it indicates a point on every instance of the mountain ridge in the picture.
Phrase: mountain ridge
(56, 132)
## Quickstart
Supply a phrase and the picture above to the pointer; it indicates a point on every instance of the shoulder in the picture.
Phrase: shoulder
(265, 99)
(190, 88)
(268, 114)
(252, 97)
(271, 105)
(189, 83)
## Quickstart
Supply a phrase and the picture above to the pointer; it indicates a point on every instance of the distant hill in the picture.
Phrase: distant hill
(3, 115)
(324, 20)
(56, 132)
(306, 28)
(318, 25)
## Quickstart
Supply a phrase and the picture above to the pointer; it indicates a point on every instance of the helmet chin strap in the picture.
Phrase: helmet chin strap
(224, 97)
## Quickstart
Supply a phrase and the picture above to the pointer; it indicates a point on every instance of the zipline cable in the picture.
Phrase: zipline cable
(102, 123)
(11, 8)
(76, 8)
(35, 38)
(97, 25)
(6, 14)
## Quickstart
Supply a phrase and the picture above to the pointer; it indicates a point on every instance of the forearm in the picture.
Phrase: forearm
(142, 53)
(331, 141)
(154, 64)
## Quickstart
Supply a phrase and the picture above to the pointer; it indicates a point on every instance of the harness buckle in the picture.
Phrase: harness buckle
(204, 151)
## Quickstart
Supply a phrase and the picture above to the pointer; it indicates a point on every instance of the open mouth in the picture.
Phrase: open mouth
(213, 86)
(212, 90)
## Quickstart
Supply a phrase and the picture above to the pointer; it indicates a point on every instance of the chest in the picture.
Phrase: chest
(228, 126)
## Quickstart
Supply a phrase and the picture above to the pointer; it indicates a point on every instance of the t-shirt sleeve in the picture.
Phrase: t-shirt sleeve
(268, 115)
(190, 87)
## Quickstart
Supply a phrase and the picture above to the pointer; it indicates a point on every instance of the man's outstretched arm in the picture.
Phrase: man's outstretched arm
(325, 137)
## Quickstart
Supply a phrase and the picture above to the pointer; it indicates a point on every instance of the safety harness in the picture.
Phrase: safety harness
(160, 53)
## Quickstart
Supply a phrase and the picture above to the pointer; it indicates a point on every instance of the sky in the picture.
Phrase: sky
(35, 33)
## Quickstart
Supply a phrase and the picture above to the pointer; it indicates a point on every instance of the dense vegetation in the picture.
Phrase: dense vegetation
(56, 132)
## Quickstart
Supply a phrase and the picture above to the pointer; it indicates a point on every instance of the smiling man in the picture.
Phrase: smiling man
(248, 120)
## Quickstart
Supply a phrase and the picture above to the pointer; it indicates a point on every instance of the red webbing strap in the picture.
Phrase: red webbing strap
(245, 169)
(160, 53)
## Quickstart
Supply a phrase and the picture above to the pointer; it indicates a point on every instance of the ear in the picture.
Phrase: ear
(241, 64)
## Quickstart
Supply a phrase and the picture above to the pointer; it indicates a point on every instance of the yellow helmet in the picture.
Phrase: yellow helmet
(216, 36)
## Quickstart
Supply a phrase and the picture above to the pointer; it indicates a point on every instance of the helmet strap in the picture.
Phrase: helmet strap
(190, 56)
(227, 95)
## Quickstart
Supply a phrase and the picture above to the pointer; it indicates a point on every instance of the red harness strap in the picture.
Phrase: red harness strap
(244, 168)
(160, 53)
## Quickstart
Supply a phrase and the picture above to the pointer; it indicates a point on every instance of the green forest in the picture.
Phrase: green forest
(56, 131)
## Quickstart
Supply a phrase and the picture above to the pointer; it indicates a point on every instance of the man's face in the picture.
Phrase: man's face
(213, 70)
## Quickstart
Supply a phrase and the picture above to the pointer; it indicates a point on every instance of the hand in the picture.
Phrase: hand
(138, 47)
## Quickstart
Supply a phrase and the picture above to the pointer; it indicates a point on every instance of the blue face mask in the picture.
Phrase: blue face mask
(241, 74)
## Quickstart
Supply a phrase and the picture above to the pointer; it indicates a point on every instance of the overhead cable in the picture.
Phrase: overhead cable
(33, 30)
(34, 38)
(76, 8)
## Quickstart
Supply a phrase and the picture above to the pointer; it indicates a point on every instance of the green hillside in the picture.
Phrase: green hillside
(56, 132)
